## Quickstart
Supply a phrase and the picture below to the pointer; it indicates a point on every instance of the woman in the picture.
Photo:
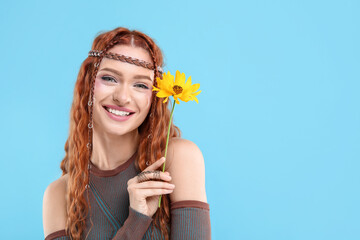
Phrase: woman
(111, 183)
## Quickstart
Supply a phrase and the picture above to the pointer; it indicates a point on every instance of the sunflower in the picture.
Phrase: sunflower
(178, 89)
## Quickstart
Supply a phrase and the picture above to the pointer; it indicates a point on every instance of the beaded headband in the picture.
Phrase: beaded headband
(123, 58)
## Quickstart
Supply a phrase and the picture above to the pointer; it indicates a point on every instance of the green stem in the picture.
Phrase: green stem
(167, 141)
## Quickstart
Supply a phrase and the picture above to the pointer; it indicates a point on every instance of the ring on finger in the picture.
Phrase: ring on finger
(141, 177)
(157, 175)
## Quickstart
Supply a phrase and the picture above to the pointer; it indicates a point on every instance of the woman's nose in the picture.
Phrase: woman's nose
(122, 95)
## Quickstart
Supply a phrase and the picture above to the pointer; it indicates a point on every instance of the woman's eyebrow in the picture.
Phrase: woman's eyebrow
(120, 74)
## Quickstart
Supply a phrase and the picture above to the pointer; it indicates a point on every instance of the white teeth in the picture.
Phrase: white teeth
(119, 113)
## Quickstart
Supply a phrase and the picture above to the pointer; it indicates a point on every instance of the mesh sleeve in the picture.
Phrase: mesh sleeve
(134, 228)
(190, 219)
(58, 235)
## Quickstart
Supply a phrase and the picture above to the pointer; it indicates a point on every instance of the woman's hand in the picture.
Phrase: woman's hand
(144, 196)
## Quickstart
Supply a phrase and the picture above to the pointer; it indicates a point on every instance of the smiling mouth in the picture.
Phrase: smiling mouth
(117, 112)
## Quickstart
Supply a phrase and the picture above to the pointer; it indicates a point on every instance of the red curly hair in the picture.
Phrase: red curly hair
(77, 157)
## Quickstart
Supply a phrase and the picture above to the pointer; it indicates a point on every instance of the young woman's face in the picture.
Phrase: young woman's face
(122, 85)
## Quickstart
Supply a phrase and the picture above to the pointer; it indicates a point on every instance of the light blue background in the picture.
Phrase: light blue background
(277, 121)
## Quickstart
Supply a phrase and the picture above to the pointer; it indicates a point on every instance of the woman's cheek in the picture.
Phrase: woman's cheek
(143, 99)
(101, 88)
(98, 84)
(148, 101)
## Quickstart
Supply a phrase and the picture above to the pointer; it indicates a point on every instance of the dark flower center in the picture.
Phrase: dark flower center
(177, 89)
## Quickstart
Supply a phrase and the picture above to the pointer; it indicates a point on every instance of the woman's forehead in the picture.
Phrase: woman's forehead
(123, 69)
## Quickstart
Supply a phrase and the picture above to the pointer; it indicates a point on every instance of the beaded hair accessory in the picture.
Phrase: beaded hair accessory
(123, 58)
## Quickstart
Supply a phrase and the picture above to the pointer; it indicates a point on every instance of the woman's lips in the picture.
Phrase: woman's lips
(116, 117)
(114, 107)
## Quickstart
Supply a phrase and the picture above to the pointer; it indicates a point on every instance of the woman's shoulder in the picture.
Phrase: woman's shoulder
(54, 205)
(182, 144)
(187, 168)
(179, 147)
(179, 142)
(57, 189)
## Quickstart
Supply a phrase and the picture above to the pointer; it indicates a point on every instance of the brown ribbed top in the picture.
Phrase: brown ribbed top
(113, 218)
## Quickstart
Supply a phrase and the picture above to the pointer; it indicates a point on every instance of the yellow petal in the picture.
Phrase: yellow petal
(188, 83)
(165, 85)
(197, 101)
(177, 95)
(163, 94)
(185, 98)
(192, 89)
(195, 87)
(177, 101)
(159, 82)
(156, 89)
(179, 78)
(169, 77)
(197, 93)
(165, 100)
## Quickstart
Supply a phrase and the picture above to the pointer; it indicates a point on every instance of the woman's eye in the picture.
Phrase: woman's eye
(111, 79)
(142, 86)
(107, 78)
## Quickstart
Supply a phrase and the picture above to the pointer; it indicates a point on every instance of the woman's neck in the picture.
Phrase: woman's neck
(110, 151)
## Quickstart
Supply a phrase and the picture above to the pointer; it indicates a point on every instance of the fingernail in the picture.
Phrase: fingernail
(167, 173)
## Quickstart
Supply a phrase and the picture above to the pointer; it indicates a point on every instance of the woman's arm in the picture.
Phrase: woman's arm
(190, 212)
(54, 207)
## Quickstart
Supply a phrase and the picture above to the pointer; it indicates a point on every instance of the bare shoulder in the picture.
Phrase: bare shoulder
(187, 168)
(180, 145)
(54, 206)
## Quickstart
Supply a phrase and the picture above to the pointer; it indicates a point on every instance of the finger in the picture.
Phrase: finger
(155, 185)
(155, 165)
(155, 192)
